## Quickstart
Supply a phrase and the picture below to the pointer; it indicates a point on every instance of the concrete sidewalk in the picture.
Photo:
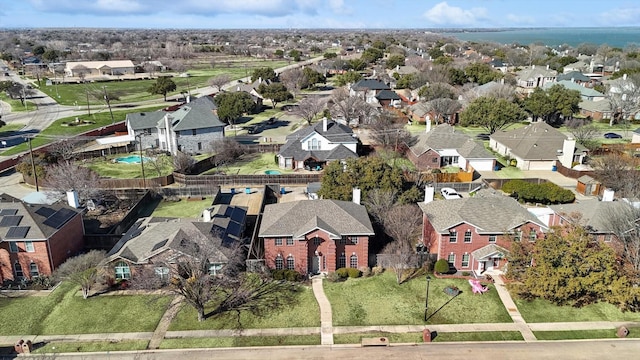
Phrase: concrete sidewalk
(326, 319)
(512, 309)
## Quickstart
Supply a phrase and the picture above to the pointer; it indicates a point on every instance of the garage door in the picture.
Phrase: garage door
(541, 165)
(482, 165)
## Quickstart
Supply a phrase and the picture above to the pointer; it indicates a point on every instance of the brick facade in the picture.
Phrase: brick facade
(430, 159)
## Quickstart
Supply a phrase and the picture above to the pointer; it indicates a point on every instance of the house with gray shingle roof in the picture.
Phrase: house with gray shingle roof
(367, 89)
(530, 78)
(443, 146)
(474, 233)
(190, 128)
(586, 94)
(158, 243)
(316, 236)
(37, 238)
(537, 146)
(313, 146)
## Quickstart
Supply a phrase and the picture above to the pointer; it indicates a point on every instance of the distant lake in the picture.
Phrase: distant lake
(614, 37)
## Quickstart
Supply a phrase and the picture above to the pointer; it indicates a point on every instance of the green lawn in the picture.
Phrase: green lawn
(66, 312)
(9, 129)
(250, 164)
(91, 346)
(544, 311)
(107, 168)
(510, 172)
(379, 300)
(60, 127)
(16, 104)
(305, 313)
(240, 341)
(416, 337)
(183, 208)
(584, 334)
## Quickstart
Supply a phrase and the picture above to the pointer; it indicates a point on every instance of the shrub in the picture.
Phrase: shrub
(333, 277)
(354, 273)
(377, 270)
(546, 193)
(466, 273)
(366, 271)
(292, 275)
(343, 272)
(278, 274)
(442, 266)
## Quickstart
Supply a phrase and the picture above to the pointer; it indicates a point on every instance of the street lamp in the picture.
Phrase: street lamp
(426, 301)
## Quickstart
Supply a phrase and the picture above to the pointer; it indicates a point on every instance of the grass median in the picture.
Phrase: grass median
(90, 346)
(416, 337)
(240, 341)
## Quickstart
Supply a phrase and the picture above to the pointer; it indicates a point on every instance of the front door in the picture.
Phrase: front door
(315, 265)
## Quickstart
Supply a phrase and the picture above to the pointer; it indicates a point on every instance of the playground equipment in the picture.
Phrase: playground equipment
(476, 287)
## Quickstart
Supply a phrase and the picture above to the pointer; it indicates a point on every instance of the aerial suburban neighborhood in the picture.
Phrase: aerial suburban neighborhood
(314, 189)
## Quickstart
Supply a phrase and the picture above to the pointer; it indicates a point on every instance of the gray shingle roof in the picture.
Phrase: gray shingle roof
(537, 141)
(488, 211)
(387, 95)
(370, 84)
(443, 137)
(575, 75)
(300, 217)
(196, 114)
(144, 120)
(336, 133)
(593, 212)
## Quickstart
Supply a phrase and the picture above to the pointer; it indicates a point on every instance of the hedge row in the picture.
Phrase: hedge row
(546, 193)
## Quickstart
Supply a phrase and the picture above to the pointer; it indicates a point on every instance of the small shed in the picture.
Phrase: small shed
(588, 186)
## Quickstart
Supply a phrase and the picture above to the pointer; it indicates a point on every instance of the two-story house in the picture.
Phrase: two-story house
(313, 146)
(474, 233)
(316, 236)
(368, 89)
(35, 239)
(190, 128)
(534, 77)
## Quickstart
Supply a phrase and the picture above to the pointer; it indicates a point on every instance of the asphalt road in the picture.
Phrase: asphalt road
(583, 349)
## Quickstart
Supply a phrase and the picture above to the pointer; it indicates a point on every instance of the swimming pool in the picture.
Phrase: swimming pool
(132, 159)
(272, 172)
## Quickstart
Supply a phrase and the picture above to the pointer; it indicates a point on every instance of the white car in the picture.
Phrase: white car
(449, 193)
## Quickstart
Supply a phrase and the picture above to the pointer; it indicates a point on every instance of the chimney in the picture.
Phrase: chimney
(397, 67)
(206, 215)
(72, 199)
(356, 195)
(324, 124)
(428, 120)
(260, 80)
(533, 66)
(547, 66)
(607, 195)
(568, 148)
(429, 192)
(624, 76)
(188, 98)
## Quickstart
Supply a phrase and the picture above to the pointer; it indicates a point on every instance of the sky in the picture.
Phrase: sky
(304, 14)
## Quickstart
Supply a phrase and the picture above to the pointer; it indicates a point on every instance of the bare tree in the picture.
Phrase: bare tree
(66, 176)
(310, 107)
(624, 99)
(618, 173)
(350, 108)
(378, 203)
(157, 162)
(81, 72)
(388, 130)
(82, 270)
(442, 108)
(64, 149)
(622, 220)
(402, 223)
(399, 256)
(227, 151)
(181, 161)
(149, 68)
(219, 81)
(584, 132)
(293, 79)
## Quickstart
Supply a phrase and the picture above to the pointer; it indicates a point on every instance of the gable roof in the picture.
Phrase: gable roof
(369, 84)
(100, 64)
(300, 217)
(444, 136)
(488, 211)
(593, 212)
(144, 120)
(336, 132)
(535, 72)
(387, 95)
(538, 141)
(194, 115)
(573, 75)
(570, 85)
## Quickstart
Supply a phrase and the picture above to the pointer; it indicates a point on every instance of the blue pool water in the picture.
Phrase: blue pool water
(132, 159)
(272, 172)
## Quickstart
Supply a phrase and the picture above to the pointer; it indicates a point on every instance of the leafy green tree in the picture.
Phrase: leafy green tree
(441, 266)
(379, 44)
(435, 53)
(371, 55)
(330, 55)
(395, 60)
(38, 50)
(276, 92)
(492, 114)
(162, 86)
(566, 60)
(266, 73)
(405, 81)
(295, 54)
(565, 101)
(357, 64)
(231, 105)
(279, 53)
(51, 55)
(349, 77)
(366, 173)
(538, 105)
(437, 91)
(481, 73)
(457, 77)
(313, 77)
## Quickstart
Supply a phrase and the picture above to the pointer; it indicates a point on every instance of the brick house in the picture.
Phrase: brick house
(36, 239)
(316, 236)
(591, 213)
(473, 233)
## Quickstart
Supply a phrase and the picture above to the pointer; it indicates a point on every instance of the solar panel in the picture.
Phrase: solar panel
(11, 220)
(45, 211)
(5, 212)
(59, 218)
(17, 232)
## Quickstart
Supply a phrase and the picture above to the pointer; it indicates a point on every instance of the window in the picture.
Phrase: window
(532, 235)
(435, 160)
(33, 270)
(291, 263)
(317, 241)
(163, 273)
(449, 160)
(279, 262)
(451, 259)
(214, 269)
(122, 270)
(146, 132)
(289, 241)
(465, 260)
(352, 239)
(199, 146)
(353, 261)
(493, 238)
(467, 236)
(342, 261)
(313, 144)
(194, 132)
(18, 269)
(13, 247)
(278, 241)
(453, 236)
(28, 246)
(517, 236)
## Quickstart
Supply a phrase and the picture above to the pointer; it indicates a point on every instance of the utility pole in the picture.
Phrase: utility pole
(144, 180)
(106, 98)
(33, 165)
(88, 108)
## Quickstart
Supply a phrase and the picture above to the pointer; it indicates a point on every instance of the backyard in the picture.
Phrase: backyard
(110, 168)
(379, 300)
(184, 208)
(250, 164)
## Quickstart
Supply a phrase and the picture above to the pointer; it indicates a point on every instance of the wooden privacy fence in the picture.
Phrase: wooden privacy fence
(191, 181)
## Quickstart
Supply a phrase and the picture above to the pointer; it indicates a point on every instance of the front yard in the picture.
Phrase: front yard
(379, 300)
(538, 310)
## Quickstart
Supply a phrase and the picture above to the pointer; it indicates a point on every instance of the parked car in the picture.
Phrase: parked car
(450, 193)
(611, 135)
(483, 136)
(272, 120)
(252, 129)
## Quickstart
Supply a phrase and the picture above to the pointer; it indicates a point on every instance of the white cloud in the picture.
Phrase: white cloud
(443, 14)
(619, 16)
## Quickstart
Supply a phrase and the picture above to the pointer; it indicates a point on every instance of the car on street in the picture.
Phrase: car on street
(252, 129)
(612, 135)
(450, 193)
(272, 120)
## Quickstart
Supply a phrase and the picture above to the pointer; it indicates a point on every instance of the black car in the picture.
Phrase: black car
(272, 120)
(483, 136)
(611, 135)
(252, 129)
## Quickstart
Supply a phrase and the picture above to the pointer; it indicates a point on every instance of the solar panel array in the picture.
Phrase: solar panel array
(5, 212)
(45, 211)
(17, 232)
(59, 218)
(10, 220)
